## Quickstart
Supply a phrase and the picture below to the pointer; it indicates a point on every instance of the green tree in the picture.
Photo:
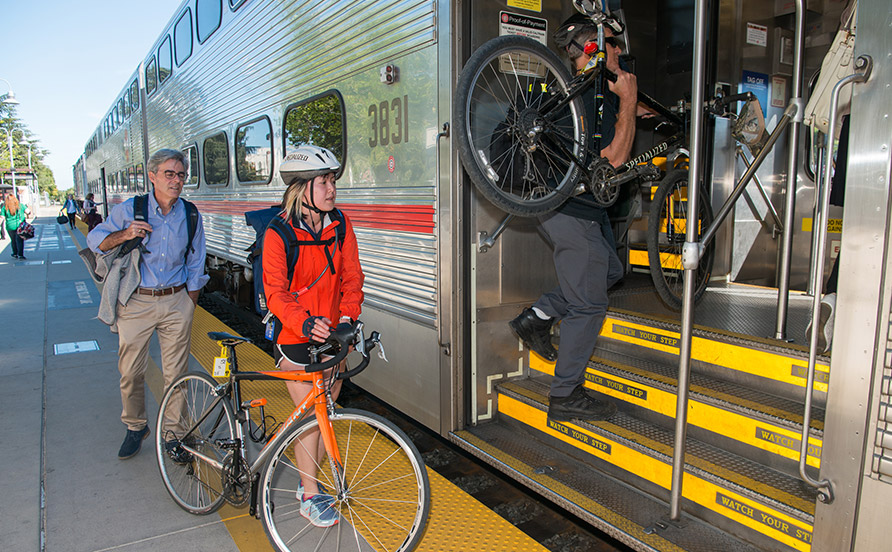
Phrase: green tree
(21, 136)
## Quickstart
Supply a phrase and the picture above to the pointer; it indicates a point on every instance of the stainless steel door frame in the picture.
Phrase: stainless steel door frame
(855, 413)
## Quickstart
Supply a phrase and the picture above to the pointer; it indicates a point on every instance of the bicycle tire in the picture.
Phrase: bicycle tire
(497, 103)
(383, 503)
(196, 486)
(666, 236)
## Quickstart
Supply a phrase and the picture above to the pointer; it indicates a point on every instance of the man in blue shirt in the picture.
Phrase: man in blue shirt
(170, 281)
(585, 258)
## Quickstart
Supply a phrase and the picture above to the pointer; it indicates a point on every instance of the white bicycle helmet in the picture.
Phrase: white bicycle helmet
(308, 162)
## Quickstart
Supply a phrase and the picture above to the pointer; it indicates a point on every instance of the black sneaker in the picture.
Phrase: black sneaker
(535, 333)
(177, 453)
(132, 443)
(580, 406)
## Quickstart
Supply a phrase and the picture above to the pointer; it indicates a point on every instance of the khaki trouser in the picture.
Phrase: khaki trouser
(169, 315)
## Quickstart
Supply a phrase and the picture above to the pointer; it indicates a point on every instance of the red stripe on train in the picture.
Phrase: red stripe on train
(403, 217)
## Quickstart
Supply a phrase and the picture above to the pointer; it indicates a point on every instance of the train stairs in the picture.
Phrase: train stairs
(741, 489)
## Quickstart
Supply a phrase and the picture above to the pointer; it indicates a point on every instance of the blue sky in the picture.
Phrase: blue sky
(67, 63)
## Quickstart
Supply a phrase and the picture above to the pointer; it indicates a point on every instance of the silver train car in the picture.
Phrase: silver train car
(770, 462)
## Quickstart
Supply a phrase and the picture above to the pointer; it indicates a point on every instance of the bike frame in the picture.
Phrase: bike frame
(319, 400)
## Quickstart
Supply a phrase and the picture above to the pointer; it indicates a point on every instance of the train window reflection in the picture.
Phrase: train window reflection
(318, 120)
(207, 17)
(191, 153)
(140, 179)
(125, 101)
(134, 95)
(254, 151)
(151, 77)
(182, 37)
(216, 160)
(165, 60)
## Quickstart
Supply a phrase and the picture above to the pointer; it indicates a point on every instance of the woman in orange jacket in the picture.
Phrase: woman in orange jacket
(325, 289)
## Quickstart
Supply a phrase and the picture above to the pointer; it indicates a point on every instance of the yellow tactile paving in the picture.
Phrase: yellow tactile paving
(457, 522)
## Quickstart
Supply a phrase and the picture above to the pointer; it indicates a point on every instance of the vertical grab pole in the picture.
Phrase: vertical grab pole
(690, 257)
(783, 285)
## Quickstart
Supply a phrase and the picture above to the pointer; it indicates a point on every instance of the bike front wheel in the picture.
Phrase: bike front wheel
(520, 140)
(381, 491)
(666, 231)
(191, 420)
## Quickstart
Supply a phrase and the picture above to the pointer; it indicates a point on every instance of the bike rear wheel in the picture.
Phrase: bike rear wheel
(520, 157)
(190, 421)
(381, 492)
(666, 228)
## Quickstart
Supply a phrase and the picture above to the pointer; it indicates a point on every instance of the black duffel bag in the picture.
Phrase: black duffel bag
(62, 219)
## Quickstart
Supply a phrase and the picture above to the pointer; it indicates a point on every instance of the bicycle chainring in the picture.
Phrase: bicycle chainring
(236, 480)
(601, 172)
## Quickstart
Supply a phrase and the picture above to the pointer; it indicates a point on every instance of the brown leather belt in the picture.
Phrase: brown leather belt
(160, 292)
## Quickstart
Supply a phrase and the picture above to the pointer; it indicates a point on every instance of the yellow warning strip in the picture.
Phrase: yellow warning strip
(761, 518)
(768, 365)
(457, 520)
(759, 434)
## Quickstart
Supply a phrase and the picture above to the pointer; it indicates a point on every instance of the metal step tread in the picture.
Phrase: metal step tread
(610, 505)
(725, 394)
(783, 492)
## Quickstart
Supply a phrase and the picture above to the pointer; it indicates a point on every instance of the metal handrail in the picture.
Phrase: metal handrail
(778, 224)
(863, 66)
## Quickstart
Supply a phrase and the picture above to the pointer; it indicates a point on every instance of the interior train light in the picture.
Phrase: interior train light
(390, 74)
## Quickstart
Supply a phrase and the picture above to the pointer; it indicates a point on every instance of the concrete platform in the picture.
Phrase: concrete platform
(65, 489)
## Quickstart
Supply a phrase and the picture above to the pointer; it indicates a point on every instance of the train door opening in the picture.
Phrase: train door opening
(743, 489)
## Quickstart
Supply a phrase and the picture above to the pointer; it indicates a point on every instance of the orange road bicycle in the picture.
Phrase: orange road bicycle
(206, 435)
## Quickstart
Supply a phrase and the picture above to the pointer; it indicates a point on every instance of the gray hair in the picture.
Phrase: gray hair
(162, 156)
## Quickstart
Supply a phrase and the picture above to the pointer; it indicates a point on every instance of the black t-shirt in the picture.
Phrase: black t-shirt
(574, 207)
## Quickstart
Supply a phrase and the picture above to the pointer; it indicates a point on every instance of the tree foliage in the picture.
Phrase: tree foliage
(10, 122)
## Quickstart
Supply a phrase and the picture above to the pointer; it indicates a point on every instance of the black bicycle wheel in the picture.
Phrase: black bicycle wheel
(666, 228)
(380, 492)
(191, 419)
(520, 153)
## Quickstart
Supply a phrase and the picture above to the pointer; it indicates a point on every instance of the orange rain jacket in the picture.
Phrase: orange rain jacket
(333, 296)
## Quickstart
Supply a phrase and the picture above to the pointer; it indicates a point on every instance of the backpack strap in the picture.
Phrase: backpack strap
(191, 224)
(140, 212)
(289, 239)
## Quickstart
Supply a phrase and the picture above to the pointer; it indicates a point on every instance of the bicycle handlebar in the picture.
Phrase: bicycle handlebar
(344, 337)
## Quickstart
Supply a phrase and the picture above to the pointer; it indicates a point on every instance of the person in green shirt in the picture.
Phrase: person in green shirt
(15, 213)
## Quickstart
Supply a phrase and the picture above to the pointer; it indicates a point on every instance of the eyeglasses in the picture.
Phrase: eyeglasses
(170, 175)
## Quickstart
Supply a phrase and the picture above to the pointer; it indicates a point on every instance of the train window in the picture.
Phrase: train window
(318, 120)
(121, 113)
(182, 37)
(216, 160)
(131, 177)
(235, 4)
(207, 17)
(254, 151)
(165, 60)
(134, 95)
(140, 179)
(125, 102)
(151, 77)
(191, 153)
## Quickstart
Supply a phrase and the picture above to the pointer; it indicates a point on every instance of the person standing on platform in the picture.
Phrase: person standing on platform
(15, 213)
(2, 219)
(322, 289)
(585, 258)
(91, 214)
(171, 275)
(70, 209)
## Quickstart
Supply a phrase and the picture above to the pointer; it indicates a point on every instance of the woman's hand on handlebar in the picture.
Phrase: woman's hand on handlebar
(320, 329)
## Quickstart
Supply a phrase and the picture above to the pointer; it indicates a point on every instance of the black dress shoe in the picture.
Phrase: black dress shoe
(535, 333)
(132, 443)
(579, 406)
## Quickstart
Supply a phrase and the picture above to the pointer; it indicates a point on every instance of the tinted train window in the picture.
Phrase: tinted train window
(134, 95)
(125, 102)
(254, 151)
(234, 4)
(131, 177)
(165, 60)
(216, 160)
(119, 117)
(207, 17)
(191, 153)
(151, 77)
(140, 179)
(182, 37)
(319, 121)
